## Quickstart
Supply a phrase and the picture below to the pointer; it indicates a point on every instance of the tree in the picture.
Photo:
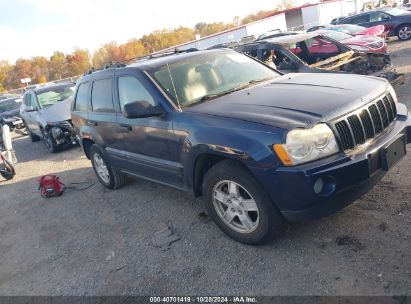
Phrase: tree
(78, 62)
(58, 66)
(5, 67)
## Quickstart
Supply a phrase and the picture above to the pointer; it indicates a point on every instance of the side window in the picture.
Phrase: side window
(130, 89)
(102, 95)
(360, 19)
(378, 16)
(82, 97)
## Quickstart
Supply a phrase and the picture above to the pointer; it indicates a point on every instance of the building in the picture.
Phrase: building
(312, 13)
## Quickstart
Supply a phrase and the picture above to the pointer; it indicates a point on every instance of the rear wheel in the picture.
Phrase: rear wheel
(239, 206)
(404, 32)
(108, 176)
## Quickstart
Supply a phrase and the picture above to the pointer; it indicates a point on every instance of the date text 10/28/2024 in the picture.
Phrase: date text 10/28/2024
(204, 299)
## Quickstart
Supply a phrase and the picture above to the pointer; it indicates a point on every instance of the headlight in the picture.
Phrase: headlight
(57, 132)
(305, 145)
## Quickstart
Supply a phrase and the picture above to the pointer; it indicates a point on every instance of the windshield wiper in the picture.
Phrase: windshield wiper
(216, 95)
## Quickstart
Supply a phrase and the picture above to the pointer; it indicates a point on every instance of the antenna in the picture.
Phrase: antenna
(174, 88)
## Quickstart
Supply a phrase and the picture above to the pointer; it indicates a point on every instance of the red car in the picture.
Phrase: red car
(363, 43)
(356, 30)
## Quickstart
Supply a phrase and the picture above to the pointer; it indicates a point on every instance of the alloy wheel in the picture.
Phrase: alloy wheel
(405, 33)
(101, 168)
(235, 206)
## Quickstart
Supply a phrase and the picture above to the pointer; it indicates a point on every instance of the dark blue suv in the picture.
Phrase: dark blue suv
(262, 148)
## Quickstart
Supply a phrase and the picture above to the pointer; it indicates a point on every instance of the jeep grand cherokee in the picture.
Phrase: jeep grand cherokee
(262, 148)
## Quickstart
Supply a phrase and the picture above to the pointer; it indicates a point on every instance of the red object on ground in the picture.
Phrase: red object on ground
(50, 185)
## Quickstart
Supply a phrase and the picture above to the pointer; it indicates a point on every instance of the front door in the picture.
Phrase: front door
(149, 143)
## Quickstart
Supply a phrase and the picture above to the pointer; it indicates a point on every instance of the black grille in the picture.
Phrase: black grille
(383, 113)
(356, 129)
(345, 134)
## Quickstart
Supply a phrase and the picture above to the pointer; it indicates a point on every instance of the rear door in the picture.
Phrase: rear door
(149, 143)
(102, 117)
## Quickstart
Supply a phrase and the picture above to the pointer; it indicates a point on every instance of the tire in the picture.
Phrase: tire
(261, 225)
(8, 171)
(404, 32)
(33, 136)
(51, 144)
(112, 178)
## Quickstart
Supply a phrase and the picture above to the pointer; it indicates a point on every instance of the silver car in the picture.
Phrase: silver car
(46, 113)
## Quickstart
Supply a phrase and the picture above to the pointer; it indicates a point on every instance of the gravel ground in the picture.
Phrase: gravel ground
(99, 242)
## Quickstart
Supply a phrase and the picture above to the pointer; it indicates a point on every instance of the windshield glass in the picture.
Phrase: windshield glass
(350, 28)
(9, 105)
(210, 74)
(396, 11)
(55, 94)
(339, 36)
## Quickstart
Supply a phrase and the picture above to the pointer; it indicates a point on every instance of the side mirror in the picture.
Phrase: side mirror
(141, 109)
(287, 66)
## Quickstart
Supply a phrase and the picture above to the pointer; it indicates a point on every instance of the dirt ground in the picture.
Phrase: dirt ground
(100, 242)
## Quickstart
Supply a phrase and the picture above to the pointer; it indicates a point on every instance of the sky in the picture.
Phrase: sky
(39, 27)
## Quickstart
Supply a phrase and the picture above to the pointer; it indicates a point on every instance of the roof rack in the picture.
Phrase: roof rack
(123, 63)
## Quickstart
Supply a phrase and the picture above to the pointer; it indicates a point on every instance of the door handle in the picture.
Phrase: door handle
(92, 123)
(126, 127)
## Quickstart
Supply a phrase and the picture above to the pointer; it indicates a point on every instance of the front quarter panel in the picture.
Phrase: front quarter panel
(249, 143)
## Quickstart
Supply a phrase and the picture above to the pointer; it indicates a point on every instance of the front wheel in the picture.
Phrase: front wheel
(7, 169)
(239, 206)
(51, 144)
(108, 176)
(404, 32)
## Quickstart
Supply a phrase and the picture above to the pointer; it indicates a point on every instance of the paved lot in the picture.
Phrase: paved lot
(99, 242)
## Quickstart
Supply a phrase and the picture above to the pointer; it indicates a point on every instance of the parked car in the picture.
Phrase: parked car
(261, 147)
(354, 30)
(46, 113)
(314, 53)
(10, 113)
(395, 20)
(406, 6)
(369, 44)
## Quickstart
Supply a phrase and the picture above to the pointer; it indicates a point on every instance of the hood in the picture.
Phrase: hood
(11, 113)
(373, 31)
(57, 112)
(362, 40)
(296, 100)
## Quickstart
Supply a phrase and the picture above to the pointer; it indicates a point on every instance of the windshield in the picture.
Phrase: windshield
(209, 75)
(55, 94)
(350, 28)
(9, 105)
(339, 36)
(396, 11)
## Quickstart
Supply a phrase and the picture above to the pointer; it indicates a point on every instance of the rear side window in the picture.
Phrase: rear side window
(102, 95)
(82, 97)
(130, 89)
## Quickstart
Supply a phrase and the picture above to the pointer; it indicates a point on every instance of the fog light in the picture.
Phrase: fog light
(318, 186)
(56, 132)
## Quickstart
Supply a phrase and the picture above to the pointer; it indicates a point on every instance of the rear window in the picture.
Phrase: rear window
(102, 95)
(82, 97)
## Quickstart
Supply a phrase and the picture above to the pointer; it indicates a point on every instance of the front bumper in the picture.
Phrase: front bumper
(345, 177)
